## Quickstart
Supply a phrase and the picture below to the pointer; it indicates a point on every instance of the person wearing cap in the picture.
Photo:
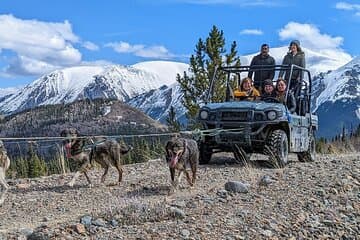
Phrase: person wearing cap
(263, 58)
(247, 91)
(297, 57)
(268, 89)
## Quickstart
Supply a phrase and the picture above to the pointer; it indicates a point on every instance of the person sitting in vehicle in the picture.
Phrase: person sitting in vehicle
(246, 91)
(281, 86)
(269, 89)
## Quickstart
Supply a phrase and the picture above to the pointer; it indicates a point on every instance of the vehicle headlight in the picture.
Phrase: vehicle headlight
(271, 115)
(204, 114)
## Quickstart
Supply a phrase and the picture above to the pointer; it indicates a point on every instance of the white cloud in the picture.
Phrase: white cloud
(241, 3)
(90, 46)
(309, 36)
(251, 32)
(23, 65)
(141, 50)
(349, 7)
(124, 47)
(39, 46)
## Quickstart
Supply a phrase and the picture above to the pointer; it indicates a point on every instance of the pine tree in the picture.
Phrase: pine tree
(343, 135)
(357, 131)
(37, 167)
(172, 122)
(208, 56)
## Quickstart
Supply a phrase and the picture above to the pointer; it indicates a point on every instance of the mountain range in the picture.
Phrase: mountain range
(92, 82)
(152, 87)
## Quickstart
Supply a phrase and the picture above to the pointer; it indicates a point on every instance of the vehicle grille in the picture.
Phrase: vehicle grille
(234, 116)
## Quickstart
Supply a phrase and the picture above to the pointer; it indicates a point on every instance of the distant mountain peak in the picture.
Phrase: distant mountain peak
(110, 81)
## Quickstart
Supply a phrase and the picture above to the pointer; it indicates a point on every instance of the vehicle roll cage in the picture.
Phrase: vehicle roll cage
(276, 68)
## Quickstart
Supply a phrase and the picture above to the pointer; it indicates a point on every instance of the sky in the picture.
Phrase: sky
(39, 36)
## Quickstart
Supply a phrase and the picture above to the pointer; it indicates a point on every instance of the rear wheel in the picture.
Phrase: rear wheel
(310, 154)
(278, 148)
(205, 154)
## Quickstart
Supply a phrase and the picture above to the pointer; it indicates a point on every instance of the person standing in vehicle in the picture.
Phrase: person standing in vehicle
(294, 56)
(281, 92)
(247, 91)
(262, 59)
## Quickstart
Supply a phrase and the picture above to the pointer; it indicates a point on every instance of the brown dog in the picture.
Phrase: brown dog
(181, 154)
(105, 152)
(4, 165)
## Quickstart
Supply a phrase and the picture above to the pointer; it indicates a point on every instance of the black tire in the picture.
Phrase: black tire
(205, 154)
(310, 154)
(278, 148)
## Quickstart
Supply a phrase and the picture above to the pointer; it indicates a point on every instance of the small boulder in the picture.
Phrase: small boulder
(236, 186)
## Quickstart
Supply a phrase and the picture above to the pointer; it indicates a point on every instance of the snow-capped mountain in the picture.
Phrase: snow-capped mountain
(8, 91)
(337, 102)
(157, 103)
(114, 81)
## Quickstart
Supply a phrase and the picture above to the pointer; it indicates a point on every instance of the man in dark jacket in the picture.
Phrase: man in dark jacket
(294, 56)
(262, 59)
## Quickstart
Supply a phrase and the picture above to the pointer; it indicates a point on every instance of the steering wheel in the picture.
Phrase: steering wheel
(270, 99)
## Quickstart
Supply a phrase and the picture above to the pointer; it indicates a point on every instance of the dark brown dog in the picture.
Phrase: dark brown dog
(181, 154)
(103, 151)
(4, 165)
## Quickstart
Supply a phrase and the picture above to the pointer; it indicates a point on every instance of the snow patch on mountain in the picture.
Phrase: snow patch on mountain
(166, 71)
(341, 84)
(157, 103)
(8, 91)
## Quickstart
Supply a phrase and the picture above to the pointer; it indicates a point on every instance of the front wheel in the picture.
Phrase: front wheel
(278, 148)
(205, 154)
(310, 154)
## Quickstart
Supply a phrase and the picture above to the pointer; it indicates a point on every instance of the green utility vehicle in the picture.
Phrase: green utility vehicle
(263, 125)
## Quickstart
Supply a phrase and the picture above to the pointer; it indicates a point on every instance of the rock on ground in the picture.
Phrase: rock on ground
(318, 200)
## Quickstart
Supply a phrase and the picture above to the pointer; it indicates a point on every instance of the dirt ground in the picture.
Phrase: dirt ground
(318, 200)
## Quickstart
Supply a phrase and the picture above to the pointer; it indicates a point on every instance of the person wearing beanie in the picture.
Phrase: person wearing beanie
(263, 58)
(268, 89)
(297, 57)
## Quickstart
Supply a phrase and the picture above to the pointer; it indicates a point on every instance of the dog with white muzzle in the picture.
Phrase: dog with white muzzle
(182, 154)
